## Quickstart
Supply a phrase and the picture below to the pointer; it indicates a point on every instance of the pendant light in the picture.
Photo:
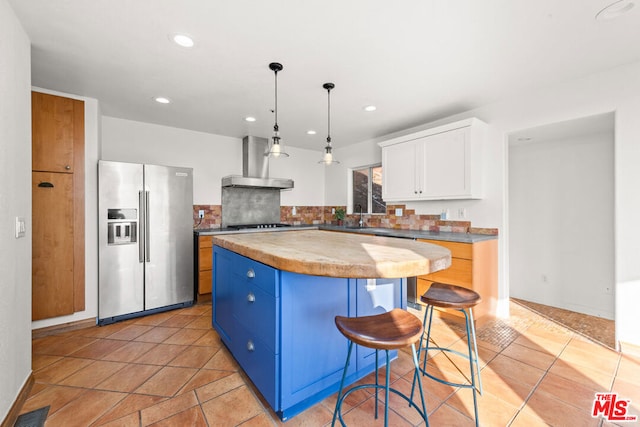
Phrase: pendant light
(276, 148)
(327, 158)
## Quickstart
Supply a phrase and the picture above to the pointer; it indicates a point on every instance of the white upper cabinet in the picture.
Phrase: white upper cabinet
(434, 164)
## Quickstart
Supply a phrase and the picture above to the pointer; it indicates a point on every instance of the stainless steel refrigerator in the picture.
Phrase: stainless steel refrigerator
(145, 239)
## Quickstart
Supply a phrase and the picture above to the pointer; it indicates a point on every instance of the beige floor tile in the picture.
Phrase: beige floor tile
(131, 351)
(567, 391)
(185, 337)
(130, 332)
(157, 334)
(93, 374)
(492, 411)
(232, 408)
(192, 417)
(83, 412)
(203, 374)
(161, 354)
(193, 357)
(58, 371)
(168, 408)
(132, 404)
(178, 321)
(220, 386)
(535, 358)
(54, 396)
(508, 367)
(542, 408)
(261, 420)
(99, 349)
(446, 415)
(39, 361)
(167, 381)
(129, 378)
(363, 415)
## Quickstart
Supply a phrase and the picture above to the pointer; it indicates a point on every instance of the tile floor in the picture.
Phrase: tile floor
(170, 369)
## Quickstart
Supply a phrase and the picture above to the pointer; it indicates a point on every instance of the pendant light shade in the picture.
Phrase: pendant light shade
(327, 157)
(276, 149)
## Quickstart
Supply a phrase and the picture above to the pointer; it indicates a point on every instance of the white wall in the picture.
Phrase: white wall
(615, 90)
(211, 157)
(91, 148)
(561, 246)
(15, 201)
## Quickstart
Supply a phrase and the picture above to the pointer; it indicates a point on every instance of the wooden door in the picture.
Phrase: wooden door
(53, 132)
(53, 255)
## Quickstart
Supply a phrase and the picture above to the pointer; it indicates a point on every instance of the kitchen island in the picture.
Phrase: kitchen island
(275, 296)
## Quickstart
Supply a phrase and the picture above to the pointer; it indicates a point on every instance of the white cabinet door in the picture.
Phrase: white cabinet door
(399, 171)
(446, 164)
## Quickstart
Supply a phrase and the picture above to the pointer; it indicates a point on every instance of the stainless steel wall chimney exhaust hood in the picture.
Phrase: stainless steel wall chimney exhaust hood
(255, 167)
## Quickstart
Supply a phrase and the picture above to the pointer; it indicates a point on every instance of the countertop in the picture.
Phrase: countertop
(325, 253)
(388, 232)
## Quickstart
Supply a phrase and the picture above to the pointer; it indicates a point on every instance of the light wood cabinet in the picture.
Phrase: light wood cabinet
(58, 265)
(435, 164)
(204, 267)
(473, 266)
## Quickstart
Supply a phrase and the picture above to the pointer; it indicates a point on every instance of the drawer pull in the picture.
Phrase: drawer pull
(251, 274)
(250, 346)
(251, 297)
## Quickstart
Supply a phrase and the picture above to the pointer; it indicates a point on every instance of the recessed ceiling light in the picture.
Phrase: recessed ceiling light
(162, 100)
(615, 9)
(182, 40)
(249, 119)
(370, 108)
(311, 132)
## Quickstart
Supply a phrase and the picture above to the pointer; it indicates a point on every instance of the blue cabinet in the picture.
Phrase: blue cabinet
(280, 327)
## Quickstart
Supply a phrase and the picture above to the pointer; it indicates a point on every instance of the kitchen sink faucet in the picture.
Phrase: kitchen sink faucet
(360, 223)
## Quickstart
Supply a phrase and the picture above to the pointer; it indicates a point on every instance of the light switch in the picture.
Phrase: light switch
(21, 228)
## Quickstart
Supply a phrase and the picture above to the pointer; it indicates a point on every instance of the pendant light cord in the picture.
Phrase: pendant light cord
(329, 116)
(275, 127)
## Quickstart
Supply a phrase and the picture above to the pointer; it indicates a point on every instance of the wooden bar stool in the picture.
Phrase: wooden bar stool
(388, 331)
(447, 296)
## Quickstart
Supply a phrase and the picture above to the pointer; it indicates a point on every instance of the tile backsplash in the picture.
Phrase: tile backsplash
(315, 215)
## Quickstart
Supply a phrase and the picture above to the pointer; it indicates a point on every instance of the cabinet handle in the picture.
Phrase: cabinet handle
(67, 167)
(415, 192)
(251, 297)
(251, 274)
(250, 346)
(45, 185)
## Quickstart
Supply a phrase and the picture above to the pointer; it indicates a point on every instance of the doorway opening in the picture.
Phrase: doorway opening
(561, 220)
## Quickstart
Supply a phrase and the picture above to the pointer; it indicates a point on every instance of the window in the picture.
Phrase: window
(367, 190)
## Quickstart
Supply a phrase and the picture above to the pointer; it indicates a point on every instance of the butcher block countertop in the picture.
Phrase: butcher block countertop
(326, 253)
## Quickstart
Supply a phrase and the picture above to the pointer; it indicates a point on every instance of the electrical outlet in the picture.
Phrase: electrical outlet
(398, 211)
(333, 211)
(21, 229)
(201, 213)
(462, 213)
(293, 211)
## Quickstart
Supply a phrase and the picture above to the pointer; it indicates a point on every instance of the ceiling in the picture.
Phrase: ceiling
(415, 60)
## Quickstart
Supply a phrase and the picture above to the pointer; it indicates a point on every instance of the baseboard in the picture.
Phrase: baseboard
(64, 327)
(14, 412)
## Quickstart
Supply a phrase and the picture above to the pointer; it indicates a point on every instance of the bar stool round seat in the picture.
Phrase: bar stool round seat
(443, 295)
(450, 296)
(387, 331)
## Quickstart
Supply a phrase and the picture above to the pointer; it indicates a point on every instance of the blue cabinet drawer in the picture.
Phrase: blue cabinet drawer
(257, 311)
(256, 273)
(259, 363)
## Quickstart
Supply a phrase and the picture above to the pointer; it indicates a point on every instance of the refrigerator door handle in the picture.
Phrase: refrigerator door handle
(141, 227)
(147, 234)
